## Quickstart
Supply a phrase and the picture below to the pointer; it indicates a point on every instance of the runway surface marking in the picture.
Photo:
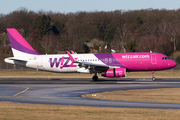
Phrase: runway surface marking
(150, 82)
(21, 92)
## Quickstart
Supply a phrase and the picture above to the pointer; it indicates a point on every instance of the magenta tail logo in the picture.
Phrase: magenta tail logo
(61, 62)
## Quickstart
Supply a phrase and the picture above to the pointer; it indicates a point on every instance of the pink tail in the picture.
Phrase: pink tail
(19, 45)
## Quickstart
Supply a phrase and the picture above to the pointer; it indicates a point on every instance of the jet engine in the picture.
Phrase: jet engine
(114, 72)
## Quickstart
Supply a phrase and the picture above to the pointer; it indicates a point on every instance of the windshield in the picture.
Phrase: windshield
(165, 58)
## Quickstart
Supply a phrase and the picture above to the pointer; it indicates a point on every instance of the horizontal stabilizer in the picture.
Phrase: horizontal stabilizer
(17, 58)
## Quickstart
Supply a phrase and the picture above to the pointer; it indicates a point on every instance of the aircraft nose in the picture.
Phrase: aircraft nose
(173, 64)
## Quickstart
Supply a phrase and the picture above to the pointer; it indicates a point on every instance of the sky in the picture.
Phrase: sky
(66, 6)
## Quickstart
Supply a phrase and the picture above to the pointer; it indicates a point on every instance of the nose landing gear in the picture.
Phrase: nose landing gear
(153, 78)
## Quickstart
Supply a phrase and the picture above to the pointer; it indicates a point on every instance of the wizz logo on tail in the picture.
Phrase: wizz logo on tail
(61, 62)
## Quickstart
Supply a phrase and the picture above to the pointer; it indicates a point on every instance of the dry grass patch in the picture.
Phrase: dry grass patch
(158, 74)
(40, 74)
(162, 95)
(21, 111)
(43, 74)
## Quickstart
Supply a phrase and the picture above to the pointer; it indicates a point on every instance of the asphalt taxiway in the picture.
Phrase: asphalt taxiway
(71, 91)
(85, 81)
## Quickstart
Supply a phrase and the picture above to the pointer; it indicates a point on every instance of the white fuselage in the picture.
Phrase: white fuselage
(55, 63)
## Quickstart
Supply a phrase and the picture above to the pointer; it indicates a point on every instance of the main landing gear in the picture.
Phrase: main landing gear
(153, 78)
(95, 77)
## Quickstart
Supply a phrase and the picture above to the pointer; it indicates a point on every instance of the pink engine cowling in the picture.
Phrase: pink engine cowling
(114, 72)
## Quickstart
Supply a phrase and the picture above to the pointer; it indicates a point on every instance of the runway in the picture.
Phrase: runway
(70, 91)
(85, 81)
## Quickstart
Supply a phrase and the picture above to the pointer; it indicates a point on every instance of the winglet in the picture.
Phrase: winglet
(72, 52)
(70, 56)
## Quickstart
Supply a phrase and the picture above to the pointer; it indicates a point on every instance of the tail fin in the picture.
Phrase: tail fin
(19, 46)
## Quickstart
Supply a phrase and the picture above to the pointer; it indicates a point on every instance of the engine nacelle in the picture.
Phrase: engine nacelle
(114, 72)
(83, 70)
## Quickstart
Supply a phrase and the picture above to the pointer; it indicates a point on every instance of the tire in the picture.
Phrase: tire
(153, 78)
(95, 78)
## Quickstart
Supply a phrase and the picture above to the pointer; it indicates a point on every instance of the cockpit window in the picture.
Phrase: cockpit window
(165, 58)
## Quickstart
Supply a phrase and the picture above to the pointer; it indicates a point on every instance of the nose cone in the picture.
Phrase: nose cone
(173, 64)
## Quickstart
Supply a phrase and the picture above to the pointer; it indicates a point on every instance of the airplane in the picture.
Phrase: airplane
(106, 64)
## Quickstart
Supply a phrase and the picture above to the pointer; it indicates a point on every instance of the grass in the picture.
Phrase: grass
(19, 111)
(163, 95)
(39, 74)
(43, 74)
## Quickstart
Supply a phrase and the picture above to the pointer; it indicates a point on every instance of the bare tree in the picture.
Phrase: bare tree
(21, 18)
(50, 44)
(171, 30)
(122, 36)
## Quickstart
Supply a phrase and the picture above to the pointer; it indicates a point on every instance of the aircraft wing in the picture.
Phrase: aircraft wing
(89, 63)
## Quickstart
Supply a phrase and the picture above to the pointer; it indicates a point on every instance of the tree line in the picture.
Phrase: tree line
(123, 31)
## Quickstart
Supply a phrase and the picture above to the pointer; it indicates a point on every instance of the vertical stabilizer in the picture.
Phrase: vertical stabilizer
(20, 47)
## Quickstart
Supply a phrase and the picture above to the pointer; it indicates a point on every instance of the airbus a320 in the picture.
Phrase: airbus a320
(106, 64)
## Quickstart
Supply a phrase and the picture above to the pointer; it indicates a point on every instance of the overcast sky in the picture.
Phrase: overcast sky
(66, 6)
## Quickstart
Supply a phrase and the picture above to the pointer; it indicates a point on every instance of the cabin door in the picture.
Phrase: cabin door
(153, 58)
(39, 62)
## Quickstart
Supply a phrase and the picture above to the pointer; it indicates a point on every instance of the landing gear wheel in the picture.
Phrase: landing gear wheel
(153, 78)
(95, 78)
